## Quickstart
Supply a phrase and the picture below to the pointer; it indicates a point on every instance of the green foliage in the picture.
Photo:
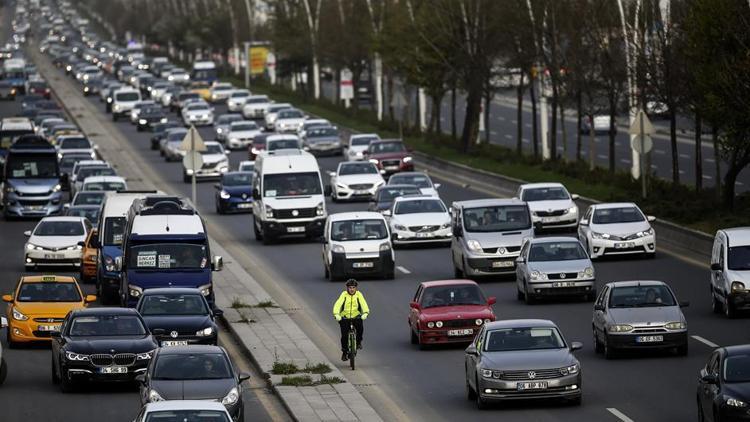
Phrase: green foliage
(298, 381)
(284, 368)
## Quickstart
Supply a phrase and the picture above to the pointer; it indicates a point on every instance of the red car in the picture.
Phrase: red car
(390, 156)
(448, 311)
(258, 145)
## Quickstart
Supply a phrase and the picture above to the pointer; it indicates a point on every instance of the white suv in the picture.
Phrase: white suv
(730, 271)
(123, 101)
(357, 244)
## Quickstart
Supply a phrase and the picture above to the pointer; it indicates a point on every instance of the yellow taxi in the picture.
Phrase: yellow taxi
(201, 88)
(39, 305)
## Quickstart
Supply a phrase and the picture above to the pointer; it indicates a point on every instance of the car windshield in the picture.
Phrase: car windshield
(322, 131)
(88, 198)
(342, 231)
(523, 338)
(641, 296)
(226, 119)
(291, 114)
(497, 218)
(388, 194)
(739, 258)
(556, 251)
(104, 186)
(152, 111)
(363, 141)
(172, 304)
(244, 126)
(59, 228)
(386, 147)
(291, 184)
(194, 107)
(114, 228)
(237, 179)
(127, 96)
(737, 368)
(32, 166)
(417, 180)
(213, 149)
(184, 367)
(176, 135)
(461, 294)
(357, 168)
(283, 144)
(278, 108)
(89, 213)
(161, 256)
(85, 172)
(73, 143)
(47, 291)
(106, 325)
(617, 215)
(247, 167)
(418, 206)
(545, 194)
(240, 94)
(261, 100)
(187, 416)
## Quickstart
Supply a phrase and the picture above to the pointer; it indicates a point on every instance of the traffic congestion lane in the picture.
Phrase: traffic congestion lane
(413, 375)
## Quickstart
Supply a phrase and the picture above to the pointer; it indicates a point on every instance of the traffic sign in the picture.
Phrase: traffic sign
(346, 85)
(193, 160)
(636, 142)
(193, 141)
(641, 125)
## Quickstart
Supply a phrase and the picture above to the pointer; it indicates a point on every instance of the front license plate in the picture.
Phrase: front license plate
(53, 256)
(244, 206)
(48, 328)
(114, 370)
(564, 284)
(174, 343)
(502, 264)
(465, 332)
(531, 385)
(295, 229)
(361, 192)
(624, 245)
(649, 339)
(423, 235)
(34, 207)
(363, 265)
(549, 219)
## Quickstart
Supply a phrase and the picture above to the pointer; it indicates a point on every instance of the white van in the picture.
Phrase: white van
(357, 244)
(730, 271)
(123, 101)
(289, 198)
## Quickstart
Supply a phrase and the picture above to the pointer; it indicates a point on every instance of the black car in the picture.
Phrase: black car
(149, 116)
(92, 86)
(178, 317)
(100, 344)
(159, 130)
(234, 192)
(194, 373)
(384, 197)
(724, 385)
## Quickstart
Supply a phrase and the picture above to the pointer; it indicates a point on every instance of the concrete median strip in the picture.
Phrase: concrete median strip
(265, 331)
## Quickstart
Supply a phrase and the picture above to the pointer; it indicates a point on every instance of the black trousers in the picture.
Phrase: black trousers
(344, 325)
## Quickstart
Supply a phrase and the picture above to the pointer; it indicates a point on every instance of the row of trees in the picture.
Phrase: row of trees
(597, 56)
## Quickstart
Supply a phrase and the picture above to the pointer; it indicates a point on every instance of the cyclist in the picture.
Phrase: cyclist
(351, 305)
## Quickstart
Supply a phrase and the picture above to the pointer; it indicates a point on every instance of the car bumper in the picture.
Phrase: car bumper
(602, 247)
(29, 331)
(200, 121)
(441, 336)
(578, 287)
(567, 387)
(730, 413)
(88, 372)
(343, 266)
(353, 194)
(313, 228)
(478, 265)
(191, 340)
(740, 301)
(565, 221)
(29, 206)
(236, 204)
(325, 149)
(410, 237)
(239, 143)
(232, 106)
(210, 172)
(53, 257)
(389, 170)
(630, 341)
(88, 269)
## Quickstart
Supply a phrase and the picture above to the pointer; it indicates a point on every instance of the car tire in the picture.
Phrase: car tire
(457, 273)
(729, 310)
(471, 395)
(519, 294)
(609, 351)
(219, 209)
(55, 374)
(389, 274)
(598, 347)
(527, 296)
(325, 272)
(682, 350)
(138, 128)
(3, 371)
(114, 117)
(414, 336)
(481, 403)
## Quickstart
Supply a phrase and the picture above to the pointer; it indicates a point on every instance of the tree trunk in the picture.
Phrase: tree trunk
(612, 131)
(534, 133)
(553, 129)
(486, 117)
(437, 107)
(471, 120)
(389, 97)
(673, 144)
(717, 162)
(698, 153)
(579, 117)
(736, 165)
(454, 132)
(519, 117)
(592, 144)
(564, 133)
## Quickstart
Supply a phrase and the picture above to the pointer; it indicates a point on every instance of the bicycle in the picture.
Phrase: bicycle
(352, 343)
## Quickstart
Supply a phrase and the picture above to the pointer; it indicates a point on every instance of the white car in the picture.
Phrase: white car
(271, 113)
(237, 99)
(617, 229)
(104, 183)
(198, 113)
(418, 179)
(135, 112)
(220, 92)
(222, 122)
(45, 124)
(123, 100)
(75, 144)
(246, 165)
(55, 241)
(358, 145)
(357, 244)
(159, 89)
(419, 219)
(289, 121)
(308, 123)
(552, 207)
(77, 179)
(355, 180)
(241, 134)
(184, 410)
(255, 106)
(215, 163)
(179, 76)
(282, 142)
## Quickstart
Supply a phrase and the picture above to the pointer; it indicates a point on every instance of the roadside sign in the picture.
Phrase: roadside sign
(646, 142)
(641, 125)
(347, 85)
(193, 160)
(193, 141)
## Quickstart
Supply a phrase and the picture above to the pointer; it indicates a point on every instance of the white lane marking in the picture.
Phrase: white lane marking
(624, 160)
(681, 172)
(739, 184)
(527, 124)
(508, 136)
(658, 151)
(706, 342)
(707, 177)
(493, 132)
(403, 270)
(621, 416)
(501, 118)
(526, 141)
(514, 121)
(710, 160)
(684, 156)
(653, 166)
(602, 156)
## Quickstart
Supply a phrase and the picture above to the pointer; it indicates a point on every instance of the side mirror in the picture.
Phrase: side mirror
(491, 300)
(414, 305)
(140, 379)
(576, 345)
(8, 298)
(90, 298)
(82, 243)
(387, 213)
(520, 260)
(27, 233)
(217, 186)
(217, 263)
(716, 266)
(598, 307)
(472, 350)
(684, 304)
(584, 222)
(365, 152)
(574, 197)
(243, 376)
(66, 207)
(256, 194)
(437, 185)
(218, 312)
(118, 263)
(650, 218)
(331, 173)
(710, 379)
(327, 190)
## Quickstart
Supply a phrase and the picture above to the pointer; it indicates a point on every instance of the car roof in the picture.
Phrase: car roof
(632, 283)
(411, 173)
(451, 282)
(738, 236)
(513, 323)
(542, 185)
(609, 205)
(552, 239)
(405, 198)
(192, 349)
(112, 310)
(737, 349)
(185, 404)
(47, 277)
(171, 290)
(355, 215)
(476, 203)
(96, 179)
(61, 218)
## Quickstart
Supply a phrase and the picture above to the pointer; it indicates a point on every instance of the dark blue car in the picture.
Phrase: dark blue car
(233, 193)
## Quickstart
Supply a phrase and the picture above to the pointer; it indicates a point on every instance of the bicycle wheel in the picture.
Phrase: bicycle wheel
(352, 355)
(352, 347)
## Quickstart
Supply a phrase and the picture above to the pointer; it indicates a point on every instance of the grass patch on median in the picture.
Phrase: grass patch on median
(238, 303)
(320, 368)
(284, 368)
(330, 380)
(266, 304)
(298, 381)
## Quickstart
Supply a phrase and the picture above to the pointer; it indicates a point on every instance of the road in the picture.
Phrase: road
(418, 385)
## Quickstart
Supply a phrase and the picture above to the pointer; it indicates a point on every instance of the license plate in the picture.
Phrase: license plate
(53, 256)
(391, 167)
(502, 264)
(295, 229)
(48, 328)
(564, 284)
(34, 207)
(363, 265)
(531, 385)
(465, 332)
(114, 370)
(244, 206)
(624, 245)
(361, 192)
(649, 339)
(174, 343)
(424, 235)
(549, 219)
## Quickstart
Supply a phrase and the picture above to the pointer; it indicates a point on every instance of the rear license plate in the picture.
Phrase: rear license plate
(244, 206)
(48, 328)
(624, 245)
(174, 343)
(465, 332)
(649, 339)
(502, 264)
(114, 370)
(363, 265)
(295, 229)
(391, 167)
(53, 256)
(564, 284)
(532, 385)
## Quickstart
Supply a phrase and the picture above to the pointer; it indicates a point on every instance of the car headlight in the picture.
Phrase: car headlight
(374, 161)
(430, 324)
(385, 246)
(224, 194)
(675, 326)
(439, 324)
(154, 396)
(163, 120)
(337, 249)
(341, 186)
(145, 355)
(569, 370)
(586, 273)
(538, 275)
(205, 289)
(737, 286)
(645, 233)
(620, 328)
(487, 373)
(407, 159)
(32, 247)
(231, 397)
(597, 235)
(478, 321)
(205, 332)
(135, 291)
(18, 315)
(109, 264)
(76, 357)
(219, 130)
(255, 151)
(731, 401)
(269, 212)
(399, 227)
(445, 225)
(57, 188)
(116, 107)
(474, 245)
(573, 209)
(142, 121)
(320, 210)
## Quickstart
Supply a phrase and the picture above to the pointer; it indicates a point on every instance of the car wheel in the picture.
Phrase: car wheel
(729, 310)
(457, 273)
(682, 350)
(55, 374)
(715, 304)
(481, 403)
(609, 351)
(414, 336)
(256, 231)
(325, 272)
(471, 395)
(389, 274)
(219, 209)
(519, 294)
(598, 348)
(11, 344)
(3, 371)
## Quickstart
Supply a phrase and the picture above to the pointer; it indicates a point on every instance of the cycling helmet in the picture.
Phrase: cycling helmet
(351, 282)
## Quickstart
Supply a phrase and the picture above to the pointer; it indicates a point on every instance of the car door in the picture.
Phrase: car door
(584, 229)
(599, 318)
(472, 361)
(707, 392)
(414, 313)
